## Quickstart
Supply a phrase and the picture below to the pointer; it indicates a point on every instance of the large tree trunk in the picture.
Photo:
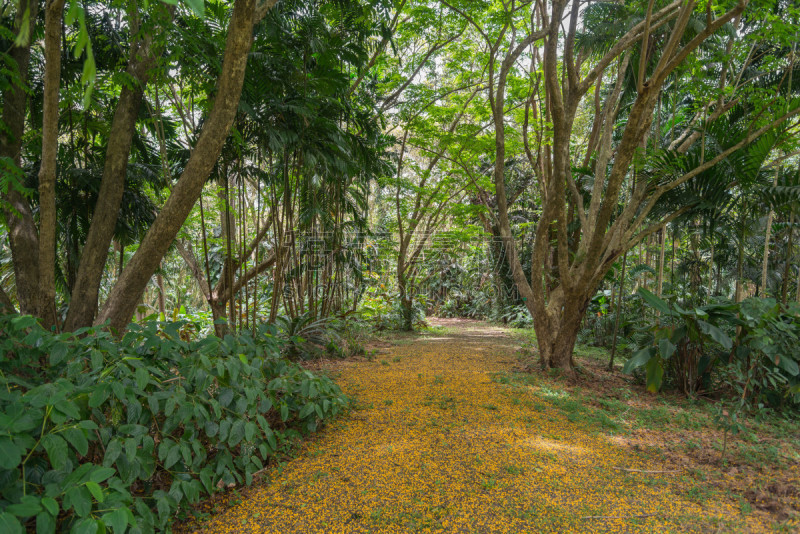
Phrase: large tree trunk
(406, 299)
(121, 303)
(219, 313)
(557, 330)
(54, 12)
(23, 237)
(83, 302)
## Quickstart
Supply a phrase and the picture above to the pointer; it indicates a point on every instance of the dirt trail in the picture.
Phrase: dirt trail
(440, 444)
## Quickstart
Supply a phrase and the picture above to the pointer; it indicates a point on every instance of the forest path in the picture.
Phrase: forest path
(442, 442)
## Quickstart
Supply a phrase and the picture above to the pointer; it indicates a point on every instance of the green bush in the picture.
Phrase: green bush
(99, 433)
(767, 358)
(760, 363)
(684, 345)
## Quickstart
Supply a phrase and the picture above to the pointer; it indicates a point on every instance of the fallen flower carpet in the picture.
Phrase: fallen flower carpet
(437, 444)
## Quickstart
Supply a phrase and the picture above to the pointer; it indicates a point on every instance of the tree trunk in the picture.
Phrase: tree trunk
(788, 262)
(767, 237)
(47, 172)
(408, 314)
(663, 246)
(215, 298)
(406, 299)
(711, 269)
(797, 295)
(162, 308)
(619, 309)
(740, 262)
(122, 301)
(6, 306)
(23, 237)
(219, 312)
(558, 333)
(84, 300)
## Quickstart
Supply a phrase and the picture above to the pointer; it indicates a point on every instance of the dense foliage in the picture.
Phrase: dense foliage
(282, 178)
(100, 433)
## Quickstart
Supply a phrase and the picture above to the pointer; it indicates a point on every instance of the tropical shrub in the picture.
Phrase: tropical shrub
(97, 432)
(304, 336)
(766, 357)
(761, 361)
(684, 344)
(516, 316)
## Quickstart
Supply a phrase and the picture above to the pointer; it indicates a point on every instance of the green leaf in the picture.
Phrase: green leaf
(113, 450)
(237, 433)
(666, 348)
(77, 438)
(716, 334)
(23, 322)
(27, 507)
(273, 443)
(117, 520)
(56, 449)
(173, 456)
(789, 365)
(142, 377)
(250, 430)
(45, 523)
(68, 408)
(97, 359)
(653, 301)
(212, 428)
(51, 505)
(78, 497)
(307, 410)
(10, 454)
(99, 395)
(10, 524)
(198, 6)
(638, 359)
(655, 374)
(95, 490)
(57, 353)
(101, 474)
(85, 526)
(284, 412)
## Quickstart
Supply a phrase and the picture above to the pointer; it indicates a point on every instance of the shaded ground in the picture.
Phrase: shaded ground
(443, 440)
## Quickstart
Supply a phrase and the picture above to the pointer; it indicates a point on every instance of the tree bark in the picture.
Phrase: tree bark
(738, 295)
(162, 308)
(767, 237)
(788, 262)
(23, 237)
(663, 245)
(121, 303)
(605, 232)
(217, 297)
(84, 298)
(406, 299)
(711, 269)
(619, 310)
(797, 294)
(54, 12)
(6, 306)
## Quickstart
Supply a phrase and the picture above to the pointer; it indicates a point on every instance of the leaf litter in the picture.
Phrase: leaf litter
(436, 443)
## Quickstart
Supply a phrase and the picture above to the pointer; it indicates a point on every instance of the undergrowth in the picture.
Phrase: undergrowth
(98, 432)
